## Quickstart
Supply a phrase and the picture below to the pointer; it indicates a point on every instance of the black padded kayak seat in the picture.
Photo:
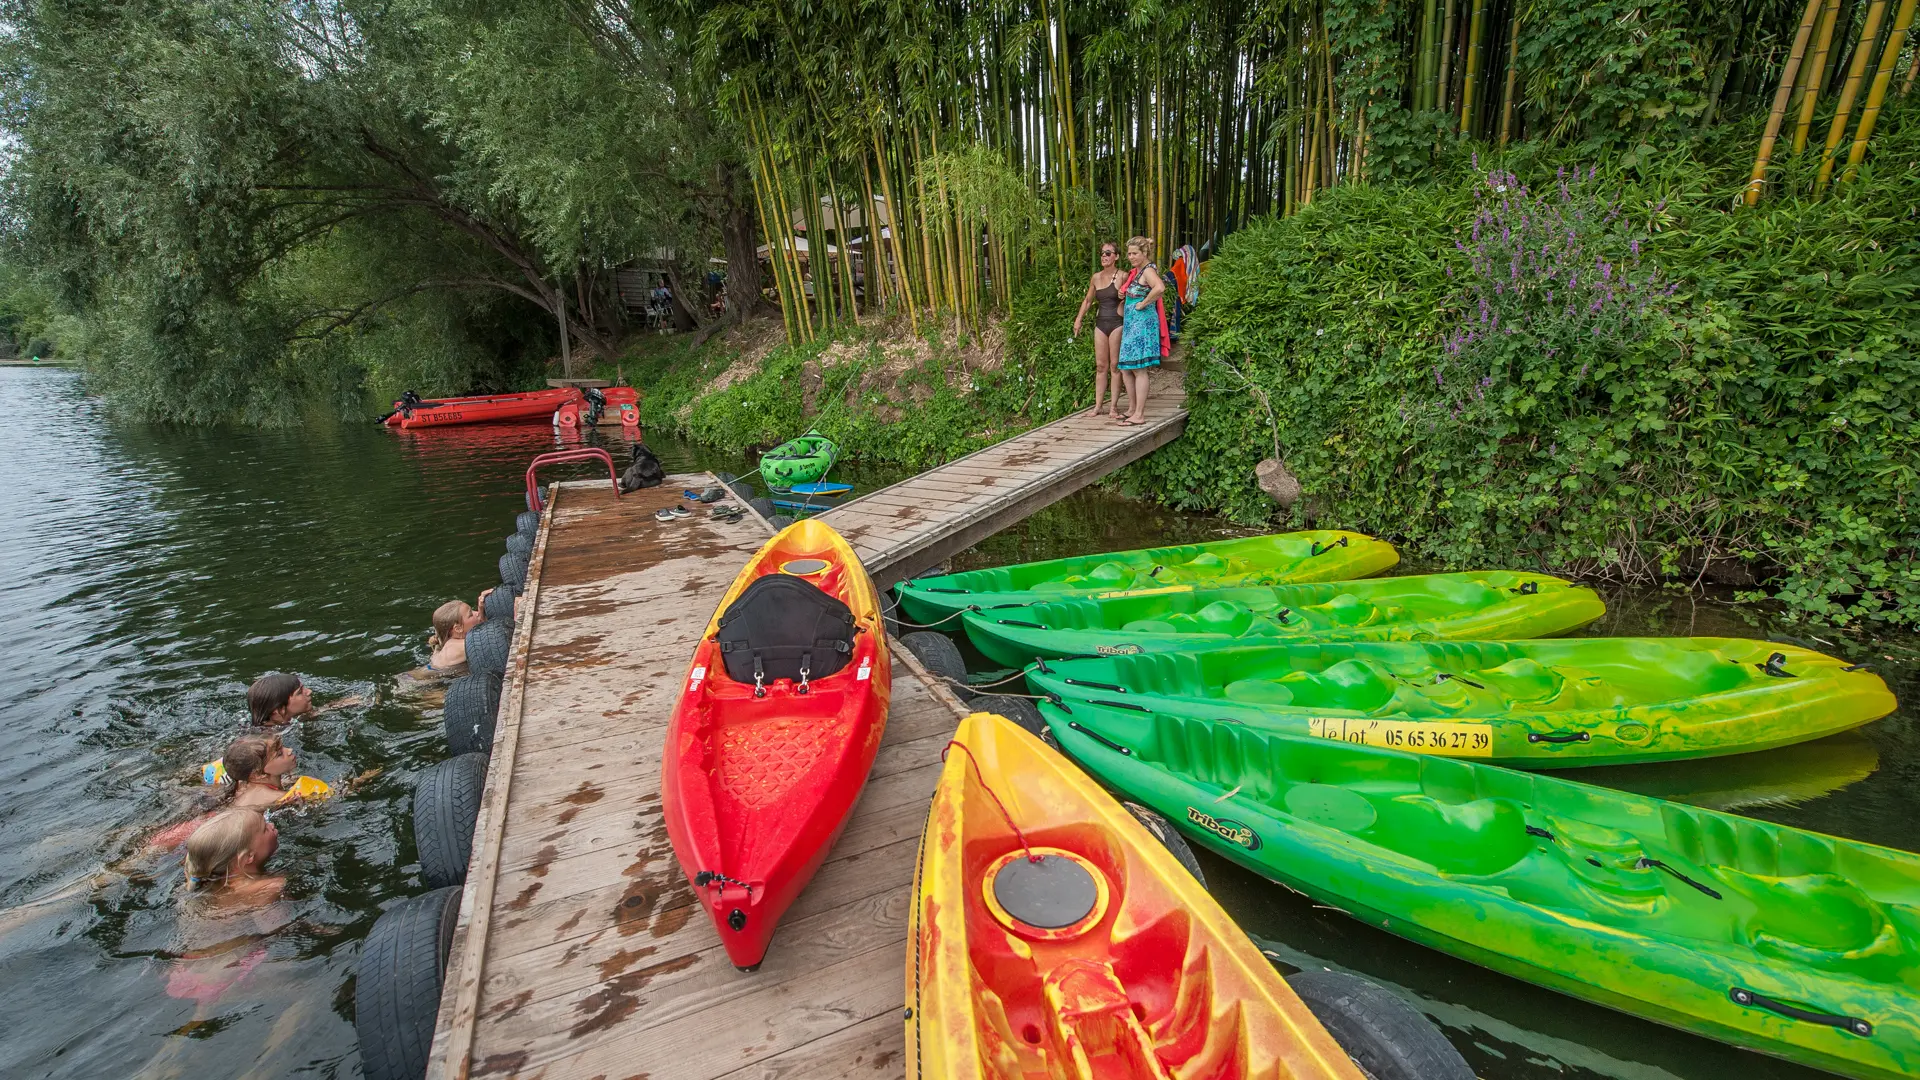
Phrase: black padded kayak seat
(785, 627)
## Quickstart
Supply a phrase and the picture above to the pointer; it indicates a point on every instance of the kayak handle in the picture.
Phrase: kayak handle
(1318, 550)
(1099, 738)
(1776, 666)
(1018, 622)
(1096, 685)
(1527, 588)
(1445, 675)
(1656, 864)
(1743, 996)
(1854, 667)
(1128, 705)
(1558, 738)
(935, 588)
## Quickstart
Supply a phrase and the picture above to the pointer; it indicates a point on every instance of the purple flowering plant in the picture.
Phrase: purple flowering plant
(1557, 283)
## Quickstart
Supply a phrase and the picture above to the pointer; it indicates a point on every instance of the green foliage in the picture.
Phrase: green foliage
(1764, 413)
(929, 412)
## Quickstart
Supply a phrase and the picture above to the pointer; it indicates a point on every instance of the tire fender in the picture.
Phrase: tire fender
(396, 995)
(446, 805)
(487, 646)
(1170, 838)
(1387, 1037)
(938, 654)
(472, 706)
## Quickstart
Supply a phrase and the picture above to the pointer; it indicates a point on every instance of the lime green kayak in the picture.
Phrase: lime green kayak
(1533, 704)
(798, 461)
(1784, 941)
(1485, 604)
(1277, 559)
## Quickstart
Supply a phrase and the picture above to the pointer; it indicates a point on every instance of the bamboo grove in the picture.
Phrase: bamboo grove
(992, 140)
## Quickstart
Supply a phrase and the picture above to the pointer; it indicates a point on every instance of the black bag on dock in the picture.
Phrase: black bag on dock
(645, 472)
(783, 624)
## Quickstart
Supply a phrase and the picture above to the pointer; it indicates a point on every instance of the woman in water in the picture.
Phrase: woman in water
(1104, 287)
(451, 621)
(1143, 341)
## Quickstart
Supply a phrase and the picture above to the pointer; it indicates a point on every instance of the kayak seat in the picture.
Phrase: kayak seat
(1472, 838)
(784, 627)
(1814, 918)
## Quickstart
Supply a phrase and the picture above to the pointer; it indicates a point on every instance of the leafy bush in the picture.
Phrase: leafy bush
(1755, 412)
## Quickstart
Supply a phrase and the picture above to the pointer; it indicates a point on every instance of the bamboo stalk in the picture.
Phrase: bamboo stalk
(1856, 74)
(1780, 97)
(1912, 70)
(1815, 74)
(1513, 65)
(1878, 94)
(1473, 67)
(1442, 95)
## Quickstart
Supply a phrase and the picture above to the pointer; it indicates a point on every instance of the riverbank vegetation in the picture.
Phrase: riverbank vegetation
(1626, 287)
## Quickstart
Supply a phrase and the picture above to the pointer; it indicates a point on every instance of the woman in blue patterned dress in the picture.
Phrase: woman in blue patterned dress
(1143, 338)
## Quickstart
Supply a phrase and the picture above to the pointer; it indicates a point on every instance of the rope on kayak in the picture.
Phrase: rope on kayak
(892, 613)
(709, 877)
(1011, 824)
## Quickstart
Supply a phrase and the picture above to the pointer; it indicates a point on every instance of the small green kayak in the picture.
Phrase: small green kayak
(798, 461)
(1484, 604)
(1276, 559)
(1533, 704)
(1780, 940)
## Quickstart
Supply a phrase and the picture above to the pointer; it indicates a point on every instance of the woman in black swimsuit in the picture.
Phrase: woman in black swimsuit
(1104, 286)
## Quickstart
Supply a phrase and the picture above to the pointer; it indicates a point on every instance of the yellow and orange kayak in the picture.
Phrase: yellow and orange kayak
(1052, 936)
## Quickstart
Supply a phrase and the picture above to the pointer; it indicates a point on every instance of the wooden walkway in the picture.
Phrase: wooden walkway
(924, 520)
(579, 953)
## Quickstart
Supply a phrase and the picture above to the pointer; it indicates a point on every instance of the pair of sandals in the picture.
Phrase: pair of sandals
(672, 513)
(712, 494)
(728, 513)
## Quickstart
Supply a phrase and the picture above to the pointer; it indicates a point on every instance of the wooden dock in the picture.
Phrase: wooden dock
(924, 520)
(579, 951)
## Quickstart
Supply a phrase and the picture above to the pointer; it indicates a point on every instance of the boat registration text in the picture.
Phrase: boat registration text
(1453, 740)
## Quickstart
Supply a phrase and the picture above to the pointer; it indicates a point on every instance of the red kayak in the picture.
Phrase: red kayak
(775, 731)
(412, 412)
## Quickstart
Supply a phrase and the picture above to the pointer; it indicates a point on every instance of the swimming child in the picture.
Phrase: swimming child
(253, 775)
(227, 857)
(451, 621)
(274, 700)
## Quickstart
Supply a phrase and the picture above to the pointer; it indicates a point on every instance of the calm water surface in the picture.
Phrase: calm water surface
(153, 572)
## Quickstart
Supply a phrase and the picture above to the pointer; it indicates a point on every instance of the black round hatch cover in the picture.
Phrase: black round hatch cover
(1052, 893)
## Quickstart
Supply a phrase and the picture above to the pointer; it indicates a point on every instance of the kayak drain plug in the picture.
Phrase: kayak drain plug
(737, 919)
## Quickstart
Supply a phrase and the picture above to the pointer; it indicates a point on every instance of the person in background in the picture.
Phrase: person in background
(1143, 340)
(1104, 288)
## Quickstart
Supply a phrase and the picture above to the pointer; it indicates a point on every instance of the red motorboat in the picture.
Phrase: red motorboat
(412, 412)
(775, 732)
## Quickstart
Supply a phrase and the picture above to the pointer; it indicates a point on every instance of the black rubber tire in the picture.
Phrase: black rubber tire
(764, 507)
(1387, 1037)
(513, 570)
(487, 646)
(499, 604)
(519, 544)
(471, 708)
(1169, 838)
(938, 654)
(396, 994)
(1019, 710)
(780, 521)
(527, 522)
(446, 804)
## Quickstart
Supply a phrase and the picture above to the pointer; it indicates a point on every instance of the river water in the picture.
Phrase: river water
(153, 572)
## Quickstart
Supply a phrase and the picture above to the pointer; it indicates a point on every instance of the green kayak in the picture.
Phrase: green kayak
(1534, 704)
(1277, 559)
(798, 461)
(1487, 604)
(1777, 939)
